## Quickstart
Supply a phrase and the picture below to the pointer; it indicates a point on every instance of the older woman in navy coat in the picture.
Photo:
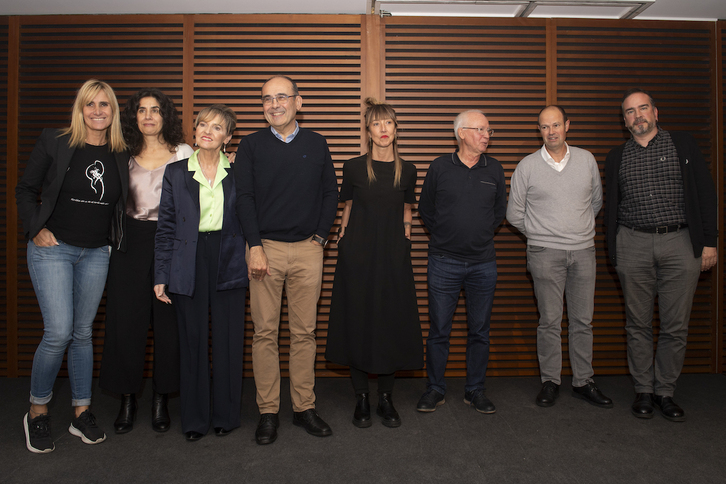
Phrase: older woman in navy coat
(200, 261)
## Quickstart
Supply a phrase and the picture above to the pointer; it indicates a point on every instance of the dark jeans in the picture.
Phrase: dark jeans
(446, 277)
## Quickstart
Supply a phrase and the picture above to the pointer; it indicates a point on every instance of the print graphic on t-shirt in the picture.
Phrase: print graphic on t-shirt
(94, 172)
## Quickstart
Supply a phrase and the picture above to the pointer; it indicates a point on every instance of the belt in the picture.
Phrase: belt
(663, 229)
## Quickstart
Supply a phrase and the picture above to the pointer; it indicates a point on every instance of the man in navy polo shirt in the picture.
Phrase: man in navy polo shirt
(462, 203)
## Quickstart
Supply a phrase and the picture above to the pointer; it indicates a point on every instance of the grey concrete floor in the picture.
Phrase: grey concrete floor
(572, 442)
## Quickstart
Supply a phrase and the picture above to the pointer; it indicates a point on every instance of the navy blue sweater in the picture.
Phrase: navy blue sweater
(285, 191)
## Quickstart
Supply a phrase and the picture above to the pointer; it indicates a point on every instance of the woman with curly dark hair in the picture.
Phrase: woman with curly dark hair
(153, 131)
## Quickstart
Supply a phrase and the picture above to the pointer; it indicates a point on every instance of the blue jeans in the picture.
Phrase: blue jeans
(446, 277)
(68, 283)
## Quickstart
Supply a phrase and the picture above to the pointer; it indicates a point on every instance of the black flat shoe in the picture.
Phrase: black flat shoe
(643, 405)
(126, 415)
(312, 423)
(222, 432)
(387, 411)
(362, 414)
(592, 395)
(266, 432)
(192, 436)
(160, 420)
(669, 408)
(548, 394)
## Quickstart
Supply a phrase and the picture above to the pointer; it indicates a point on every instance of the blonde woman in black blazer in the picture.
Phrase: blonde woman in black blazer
(81, 176)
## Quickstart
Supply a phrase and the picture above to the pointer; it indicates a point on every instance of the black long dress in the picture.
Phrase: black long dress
(374, 324)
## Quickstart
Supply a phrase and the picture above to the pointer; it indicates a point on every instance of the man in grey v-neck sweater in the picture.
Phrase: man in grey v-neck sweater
(554, 197)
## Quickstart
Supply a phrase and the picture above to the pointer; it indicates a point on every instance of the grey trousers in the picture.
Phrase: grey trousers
(650, 264)
(570, 273)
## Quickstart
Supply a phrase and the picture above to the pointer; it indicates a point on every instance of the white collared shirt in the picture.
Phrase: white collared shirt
(551, 161)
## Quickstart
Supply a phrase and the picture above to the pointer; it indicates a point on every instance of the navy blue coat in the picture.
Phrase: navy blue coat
(177, 233)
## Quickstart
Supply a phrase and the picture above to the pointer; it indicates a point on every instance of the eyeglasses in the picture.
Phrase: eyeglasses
(280, 98)
(488, 131)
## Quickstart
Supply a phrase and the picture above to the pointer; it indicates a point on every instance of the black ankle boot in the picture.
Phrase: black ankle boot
(386, 411)
(126, 415)
(160, 420)
(362, 415)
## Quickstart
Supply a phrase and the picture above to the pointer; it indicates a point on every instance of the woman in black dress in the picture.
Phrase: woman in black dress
(374, 325)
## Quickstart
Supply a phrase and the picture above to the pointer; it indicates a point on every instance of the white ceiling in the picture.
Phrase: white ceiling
(660, 10)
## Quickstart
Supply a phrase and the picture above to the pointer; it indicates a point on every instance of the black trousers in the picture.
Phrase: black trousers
(360, 381)
(204, 400)
(131, 308)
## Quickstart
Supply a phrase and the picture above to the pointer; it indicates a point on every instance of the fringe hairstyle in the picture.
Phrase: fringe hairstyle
(377, 111)
(78, 129)
(229, 118)
(171, 130)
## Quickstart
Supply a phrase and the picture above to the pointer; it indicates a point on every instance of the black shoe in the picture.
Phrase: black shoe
(430, 400)
(591, 394)
(126, 415)
(160, 420)
(362, 414)
(37, 434)
(222, 432)
(548, 394)
(478, 400)
(643, 405)
(84, 426)
(387, 412)
(312, 423)
(669, 408)
(193, 436)
(266, 432)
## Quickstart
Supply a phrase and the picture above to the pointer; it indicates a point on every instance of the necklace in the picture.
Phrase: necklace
(210, 180)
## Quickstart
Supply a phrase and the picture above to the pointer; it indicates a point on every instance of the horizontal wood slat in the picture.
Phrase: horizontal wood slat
(598, 60)
(4, 190)
(430, 70)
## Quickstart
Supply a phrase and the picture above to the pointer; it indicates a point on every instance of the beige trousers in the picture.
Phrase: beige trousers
(299, 267)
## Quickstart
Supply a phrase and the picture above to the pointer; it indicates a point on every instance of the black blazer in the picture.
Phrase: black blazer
(44, 174)
(177, 233)
(698, 190)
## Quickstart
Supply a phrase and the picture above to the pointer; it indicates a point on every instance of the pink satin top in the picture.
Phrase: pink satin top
(145, 186)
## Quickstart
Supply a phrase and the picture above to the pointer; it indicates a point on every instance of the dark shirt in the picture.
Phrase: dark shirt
(87, 199)
(651, 184)
(285, 191)
(462, 207)
(698, 190)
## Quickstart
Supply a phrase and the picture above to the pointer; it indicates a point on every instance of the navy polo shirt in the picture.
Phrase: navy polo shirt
(462, 207)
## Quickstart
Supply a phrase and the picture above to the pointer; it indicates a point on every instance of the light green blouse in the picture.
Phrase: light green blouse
(211, 198)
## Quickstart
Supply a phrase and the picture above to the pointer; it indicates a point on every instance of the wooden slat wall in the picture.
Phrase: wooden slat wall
(434, 69)
(430, 70)
(596, 62)
(4, 190)
(56, 57)
(234, 55)
(721, 176)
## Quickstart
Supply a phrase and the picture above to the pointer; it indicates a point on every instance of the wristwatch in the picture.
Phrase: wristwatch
(320, 240)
